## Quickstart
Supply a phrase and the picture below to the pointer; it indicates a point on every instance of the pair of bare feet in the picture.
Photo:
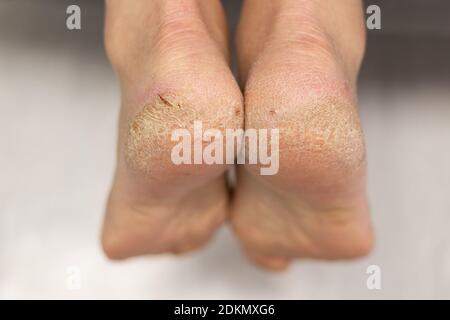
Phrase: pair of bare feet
(298, 63)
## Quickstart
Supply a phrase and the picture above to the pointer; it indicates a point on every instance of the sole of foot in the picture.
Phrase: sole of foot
(300, 68)
(171, 58)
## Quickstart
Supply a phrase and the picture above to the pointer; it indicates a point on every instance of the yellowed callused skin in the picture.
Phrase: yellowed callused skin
(148, 143)
(149, 132)
(324, 136)
(321, 139)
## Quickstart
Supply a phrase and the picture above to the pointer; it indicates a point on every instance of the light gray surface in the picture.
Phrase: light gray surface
(58, 108)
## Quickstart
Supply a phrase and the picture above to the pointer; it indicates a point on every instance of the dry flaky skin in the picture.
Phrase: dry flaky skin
(150, 130)
(148, 143)
(320, 132)
(326, 134)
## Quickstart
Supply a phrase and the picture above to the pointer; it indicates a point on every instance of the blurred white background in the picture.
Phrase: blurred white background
(59, 102)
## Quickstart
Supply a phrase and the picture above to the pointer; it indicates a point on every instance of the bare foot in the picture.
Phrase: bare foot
(172, 60)
(299, 61)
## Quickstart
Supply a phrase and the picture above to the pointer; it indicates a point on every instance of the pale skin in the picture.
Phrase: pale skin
(298, 66)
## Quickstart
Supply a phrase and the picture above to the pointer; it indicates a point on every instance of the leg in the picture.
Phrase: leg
(299, 60)
(172, 60)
